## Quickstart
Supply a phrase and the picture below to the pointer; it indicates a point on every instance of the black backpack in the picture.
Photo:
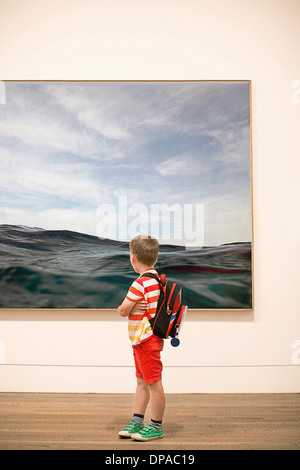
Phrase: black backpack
(170, 312)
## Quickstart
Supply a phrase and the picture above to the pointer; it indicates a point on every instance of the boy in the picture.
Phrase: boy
(141, 302)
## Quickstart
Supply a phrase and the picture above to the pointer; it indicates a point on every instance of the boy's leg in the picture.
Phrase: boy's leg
(150, 368)
(141, 401)
(142, 396)
(154, 429)
(158, 401)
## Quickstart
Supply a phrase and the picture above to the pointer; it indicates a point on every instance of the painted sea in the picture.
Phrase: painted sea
(60, 269)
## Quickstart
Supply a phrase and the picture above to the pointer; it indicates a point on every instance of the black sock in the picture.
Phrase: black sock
(139, 419)
(156, 424)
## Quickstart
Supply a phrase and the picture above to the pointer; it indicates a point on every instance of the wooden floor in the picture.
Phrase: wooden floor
(92, 421)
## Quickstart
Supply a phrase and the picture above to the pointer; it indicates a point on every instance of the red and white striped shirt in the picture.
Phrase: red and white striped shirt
(143, 288)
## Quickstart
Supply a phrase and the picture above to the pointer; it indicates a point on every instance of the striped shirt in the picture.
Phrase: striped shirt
(143, 288)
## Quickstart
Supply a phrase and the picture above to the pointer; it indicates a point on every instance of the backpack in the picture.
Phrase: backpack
(170, 313)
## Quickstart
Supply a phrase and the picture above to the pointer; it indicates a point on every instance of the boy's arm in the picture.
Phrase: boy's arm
(128, 306)
(134, 296)
(125, 308)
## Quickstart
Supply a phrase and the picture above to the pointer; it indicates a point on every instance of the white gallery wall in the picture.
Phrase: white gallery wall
(257, 40)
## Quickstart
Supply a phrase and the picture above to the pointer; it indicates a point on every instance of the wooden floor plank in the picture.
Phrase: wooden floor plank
(191, 421)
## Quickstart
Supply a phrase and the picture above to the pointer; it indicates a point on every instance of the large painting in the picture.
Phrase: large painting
(86, 166)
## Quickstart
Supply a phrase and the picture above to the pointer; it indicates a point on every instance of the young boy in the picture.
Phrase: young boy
(139, 304)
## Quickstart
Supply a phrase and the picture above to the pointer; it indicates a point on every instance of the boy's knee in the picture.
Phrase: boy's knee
(155, 385)
(141, 381)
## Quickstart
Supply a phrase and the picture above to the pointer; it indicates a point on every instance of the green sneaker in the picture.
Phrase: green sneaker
(147, 434)
(130, 429)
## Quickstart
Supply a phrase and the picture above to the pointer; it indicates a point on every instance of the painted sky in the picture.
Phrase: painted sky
(70, 148)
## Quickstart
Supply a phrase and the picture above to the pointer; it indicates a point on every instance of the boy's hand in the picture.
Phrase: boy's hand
(141, 306)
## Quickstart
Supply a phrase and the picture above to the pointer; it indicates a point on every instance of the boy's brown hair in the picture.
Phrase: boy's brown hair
(145, 248)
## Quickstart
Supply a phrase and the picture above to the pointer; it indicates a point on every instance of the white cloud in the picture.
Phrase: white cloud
(94, 119)
(186, 164)
(26, 176)
(45, 125)
(95, 111)
(172, 166)
(45, 132)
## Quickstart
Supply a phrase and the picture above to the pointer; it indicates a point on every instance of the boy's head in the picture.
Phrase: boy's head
(145, 249)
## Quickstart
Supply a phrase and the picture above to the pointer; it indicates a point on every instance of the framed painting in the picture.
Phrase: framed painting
(88, 165)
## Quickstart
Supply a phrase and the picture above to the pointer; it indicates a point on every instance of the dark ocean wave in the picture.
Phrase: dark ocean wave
(64, 269)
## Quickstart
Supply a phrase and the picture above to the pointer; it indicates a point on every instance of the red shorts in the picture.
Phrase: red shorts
(147, 359)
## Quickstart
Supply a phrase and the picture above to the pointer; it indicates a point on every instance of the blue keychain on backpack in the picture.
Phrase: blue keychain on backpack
(175, 342)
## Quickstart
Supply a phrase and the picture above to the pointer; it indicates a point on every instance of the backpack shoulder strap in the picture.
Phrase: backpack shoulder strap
(154, 277)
